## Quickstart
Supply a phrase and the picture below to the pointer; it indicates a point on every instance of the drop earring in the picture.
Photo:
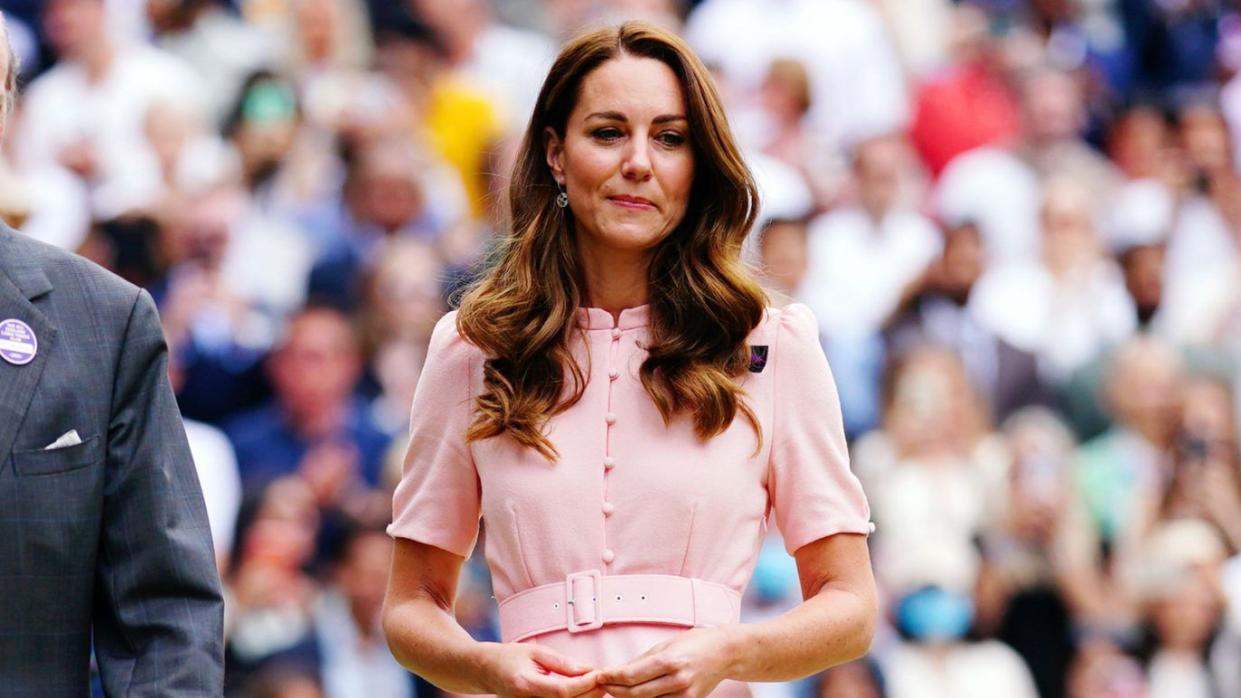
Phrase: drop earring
(562, 199)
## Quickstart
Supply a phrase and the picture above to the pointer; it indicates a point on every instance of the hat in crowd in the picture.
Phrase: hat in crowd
(1171, 555)
(1141, 215)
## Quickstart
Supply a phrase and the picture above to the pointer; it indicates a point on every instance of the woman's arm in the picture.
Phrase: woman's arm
(834, 625)
(425, 637)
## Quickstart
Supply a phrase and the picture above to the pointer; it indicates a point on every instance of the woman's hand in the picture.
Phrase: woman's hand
(691, 664)
(523, 670)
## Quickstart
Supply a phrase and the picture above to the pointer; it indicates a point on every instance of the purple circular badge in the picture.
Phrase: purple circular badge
(18, 344)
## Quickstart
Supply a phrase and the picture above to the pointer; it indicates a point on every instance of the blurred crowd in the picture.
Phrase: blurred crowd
(1018, 223)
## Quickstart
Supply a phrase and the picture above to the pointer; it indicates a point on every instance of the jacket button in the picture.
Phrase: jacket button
(608, 508)
(616, 333)
(610, 418)
(609, 463)
(608, 555)
(613, 374)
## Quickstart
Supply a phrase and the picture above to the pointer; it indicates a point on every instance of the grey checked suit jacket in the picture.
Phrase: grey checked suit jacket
(108, 537)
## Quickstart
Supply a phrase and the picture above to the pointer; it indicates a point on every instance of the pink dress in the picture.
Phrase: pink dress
(629, 495)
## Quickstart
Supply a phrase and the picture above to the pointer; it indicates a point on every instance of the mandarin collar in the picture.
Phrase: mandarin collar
(600, 319)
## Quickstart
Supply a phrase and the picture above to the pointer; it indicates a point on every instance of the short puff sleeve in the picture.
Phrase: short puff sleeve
(812, 490)
(437, 501)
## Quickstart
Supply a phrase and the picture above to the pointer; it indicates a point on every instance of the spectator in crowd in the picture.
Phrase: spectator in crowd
(874, 249)
(271, 599)
(1184, 612)
(1205, 478)
(934, 609)
(1202, 253)
(1068, 305)
(328, 46)
(1120, 472)
(222, 47)
(112, 85)
(934, 470)
(854, 70)
(967, 104)
(216, 465)
(1028, 575)
(505, 62)
(1140, 226)
(223, 303)
(938, 311)
(783, 247)
(354, 657)
(1101, 667)
(288, 162)
(999, 186)
(315, 425)
(786, 99)
(385, 197)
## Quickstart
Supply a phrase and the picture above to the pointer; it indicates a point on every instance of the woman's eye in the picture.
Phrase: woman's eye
(671, 138)
(607, 134)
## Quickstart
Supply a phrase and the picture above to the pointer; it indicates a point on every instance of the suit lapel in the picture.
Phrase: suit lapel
(20, 281)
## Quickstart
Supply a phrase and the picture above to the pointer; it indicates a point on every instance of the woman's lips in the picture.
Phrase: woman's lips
(633, 202)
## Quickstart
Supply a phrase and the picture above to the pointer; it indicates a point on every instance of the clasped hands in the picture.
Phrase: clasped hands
(689, 665)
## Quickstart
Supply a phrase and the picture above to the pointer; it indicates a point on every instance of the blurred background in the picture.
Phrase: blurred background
(1017, 221)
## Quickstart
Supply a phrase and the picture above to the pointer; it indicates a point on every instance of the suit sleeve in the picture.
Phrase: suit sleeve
(158, 620)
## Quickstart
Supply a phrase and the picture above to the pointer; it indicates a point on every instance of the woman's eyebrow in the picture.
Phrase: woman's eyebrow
(608, 115)
(617, 116)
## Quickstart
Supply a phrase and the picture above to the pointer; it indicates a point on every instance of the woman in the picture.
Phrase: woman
(616, 403)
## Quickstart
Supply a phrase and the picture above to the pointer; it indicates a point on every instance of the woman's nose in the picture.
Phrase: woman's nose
(637, 162)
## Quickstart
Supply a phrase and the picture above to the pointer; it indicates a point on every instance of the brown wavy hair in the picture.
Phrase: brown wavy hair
(703, 300)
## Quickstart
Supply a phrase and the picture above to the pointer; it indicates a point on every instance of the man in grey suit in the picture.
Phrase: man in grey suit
(103, 533)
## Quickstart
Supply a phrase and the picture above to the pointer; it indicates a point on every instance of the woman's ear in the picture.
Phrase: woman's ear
(554, 150)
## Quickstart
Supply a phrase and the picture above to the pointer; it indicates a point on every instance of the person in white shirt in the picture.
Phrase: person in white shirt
(356, 662)
(1070, 304)
(216, 465)
(863, 256)
(1177, 578)
(86, 115)
(854, 70)
(863, 260)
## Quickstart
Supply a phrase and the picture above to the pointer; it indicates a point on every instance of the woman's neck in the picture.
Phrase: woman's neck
(613, 279)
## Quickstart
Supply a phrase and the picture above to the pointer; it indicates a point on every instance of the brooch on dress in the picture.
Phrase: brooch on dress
(758, 358)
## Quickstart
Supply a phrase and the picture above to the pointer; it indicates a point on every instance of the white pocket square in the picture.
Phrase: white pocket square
(67, 439)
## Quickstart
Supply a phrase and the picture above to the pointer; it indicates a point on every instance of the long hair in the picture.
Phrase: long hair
(704, 302)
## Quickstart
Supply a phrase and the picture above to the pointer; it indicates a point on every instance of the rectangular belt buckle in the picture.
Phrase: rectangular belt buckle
(573, 603)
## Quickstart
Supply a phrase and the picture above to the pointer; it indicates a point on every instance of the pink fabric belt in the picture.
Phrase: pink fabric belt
(588, 600)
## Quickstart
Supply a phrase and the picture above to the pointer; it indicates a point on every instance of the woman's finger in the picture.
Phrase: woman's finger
(558, 663)
(558, 686)
(660, 685)
(638, 671)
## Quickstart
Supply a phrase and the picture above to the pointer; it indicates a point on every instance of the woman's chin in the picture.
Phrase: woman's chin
(629, 238)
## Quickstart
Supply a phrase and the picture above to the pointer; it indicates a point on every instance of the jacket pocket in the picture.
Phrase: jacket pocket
(58, 460)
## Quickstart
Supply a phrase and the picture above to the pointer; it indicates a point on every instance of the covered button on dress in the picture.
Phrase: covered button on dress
(640, 530)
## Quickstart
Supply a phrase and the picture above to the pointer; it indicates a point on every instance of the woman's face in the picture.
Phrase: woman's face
(1185, 618)
(626, 160)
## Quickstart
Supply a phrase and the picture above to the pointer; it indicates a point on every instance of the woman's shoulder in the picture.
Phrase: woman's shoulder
(448, 348)
(788, 337)
(794, 322)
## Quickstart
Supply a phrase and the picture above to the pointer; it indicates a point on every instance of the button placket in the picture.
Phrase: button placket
(609, 462)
